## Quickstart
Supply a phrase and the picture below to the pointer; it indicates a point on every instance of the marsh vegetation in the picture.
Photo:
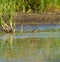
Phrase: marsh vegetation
(37, 33)
(9, 7)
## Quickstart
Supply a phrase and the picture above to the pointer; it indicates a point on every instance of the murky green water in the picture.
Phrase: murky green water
(30, 47)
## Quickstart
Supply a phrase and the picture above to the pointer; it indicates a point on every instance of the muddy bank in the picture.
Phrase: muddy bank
(36, 19)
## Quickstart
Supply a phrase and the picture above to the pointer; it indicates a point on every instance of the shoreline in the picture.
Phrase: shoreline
(37, 19)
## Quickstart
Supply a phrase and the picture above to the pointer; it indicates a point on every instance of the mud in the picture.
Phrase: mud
(36, 19)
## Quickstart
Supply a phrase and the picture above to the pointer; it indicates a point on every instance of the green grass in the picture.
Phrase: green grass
(38, 5)
(25, 5)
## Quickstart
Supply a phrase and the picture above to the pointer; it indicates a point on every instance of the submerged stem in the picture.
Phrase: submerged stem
(5, 27)
(9, 17)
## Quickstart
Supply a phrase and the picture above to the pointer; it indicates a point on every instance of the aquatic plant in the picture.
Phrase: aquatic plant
(38, 5)
(7, 8)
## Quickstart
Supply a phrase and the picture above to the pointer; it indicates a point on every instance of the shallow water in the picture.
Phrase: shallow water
(41, 27)
(31, 46)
